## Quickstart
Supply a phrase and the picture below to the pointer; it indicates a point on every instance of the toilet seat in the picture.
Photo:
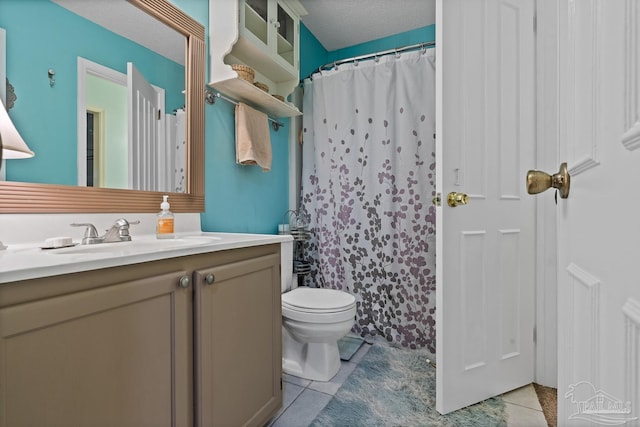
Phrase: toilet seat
(318, 300)
(318, 305)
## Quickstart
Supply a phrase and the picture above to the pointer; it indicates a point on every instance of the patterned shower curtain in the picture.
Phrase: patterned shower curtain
(368, 179)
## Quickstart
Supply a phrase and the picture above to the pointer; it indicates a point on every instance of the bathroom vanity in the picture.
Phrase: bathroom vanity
(178, 336)
(144, 333)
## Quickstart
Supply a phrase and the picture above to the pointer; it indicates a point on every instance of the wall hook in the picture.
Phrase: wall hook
(210, 97)
(51, 72)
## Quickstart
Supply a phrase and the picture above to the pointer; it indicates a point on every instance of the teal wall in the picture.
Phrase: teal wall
(243, 198)
(46, 116)
(237, 198)
(419, 35)
(240, 199)
(312, 54)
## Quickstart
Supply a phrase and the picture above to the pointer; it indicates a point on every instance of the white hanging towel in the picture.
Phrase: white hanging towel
(253, 141)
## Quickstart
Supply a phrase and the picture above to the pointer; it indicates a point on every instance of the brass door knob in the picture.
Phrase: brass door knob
(538, 181)
(456, 199)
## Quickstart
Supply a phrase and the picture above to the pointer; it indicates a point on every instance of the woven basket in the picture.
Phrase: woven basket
(279, 97)
(262, 86)
(244, 72)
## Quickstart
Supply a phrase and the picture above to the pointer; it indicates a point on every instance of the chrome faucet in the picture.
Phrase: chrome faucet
(119, 232)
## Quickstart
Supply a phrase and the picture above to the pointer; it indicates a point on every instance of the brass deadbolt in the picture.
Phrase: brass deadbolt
(538, 181)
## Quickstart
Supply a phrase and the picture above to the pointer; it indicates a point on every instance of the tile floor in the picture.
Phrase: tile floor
(303, 399)
(523, 408)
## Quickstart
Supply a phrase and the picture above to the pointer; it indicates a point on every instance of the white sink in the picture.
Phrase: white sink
(137, 246)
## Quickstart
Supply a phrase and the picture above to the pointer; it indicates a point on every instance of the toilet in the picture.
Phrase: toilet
(313, 320)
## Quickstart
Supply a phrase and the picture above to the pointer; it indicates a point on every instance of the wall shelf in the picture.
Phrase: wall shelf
(240, 35)
(243, 91)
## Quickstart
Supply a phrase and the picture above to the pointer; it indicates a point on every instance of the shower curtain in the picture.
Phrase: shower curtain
(178, 151)
(368, 178)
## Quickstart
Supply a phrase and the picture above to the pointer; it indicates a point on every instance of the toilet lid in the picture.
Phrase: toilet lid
(318, 299)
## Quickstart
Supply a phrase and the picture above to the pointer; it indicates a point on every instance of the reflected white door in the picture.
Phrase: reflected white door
(599, 224)
(486, 249)
(147, 156)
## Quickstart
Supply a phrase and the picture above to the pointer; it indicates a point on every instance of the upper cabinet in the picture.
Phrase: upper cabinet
(264, 35)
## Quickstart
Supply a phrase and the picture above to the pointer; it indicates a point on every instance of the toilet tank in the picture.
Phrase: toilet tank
(286, 266)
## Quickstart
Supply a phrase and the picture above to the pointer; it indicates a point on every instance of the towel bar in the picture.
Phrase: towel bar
(211, 99)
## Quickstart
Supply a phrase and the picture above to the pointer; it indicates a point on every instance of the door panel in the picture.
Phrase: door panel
(146, 136)
(598, 294)
(485, 142)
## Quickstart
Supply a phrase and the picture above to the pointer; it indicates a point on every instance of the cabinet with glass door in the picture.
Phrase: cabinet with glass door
(265, 37)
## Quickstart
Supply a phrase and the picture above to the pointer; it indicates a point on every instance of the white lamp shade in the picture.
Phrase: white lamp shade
(13, 146)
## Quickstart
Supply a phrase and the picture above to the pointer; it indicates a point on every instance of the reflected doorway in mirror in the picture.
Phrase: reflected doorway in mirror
(124, 138)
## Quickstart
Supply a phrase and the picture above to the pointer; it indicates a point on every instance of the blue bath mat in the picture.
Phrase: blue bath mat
(347, 346)
(397, 387)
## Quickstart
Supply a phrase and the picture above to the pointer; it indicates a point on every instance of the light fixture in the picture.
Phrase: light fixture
(13, 146)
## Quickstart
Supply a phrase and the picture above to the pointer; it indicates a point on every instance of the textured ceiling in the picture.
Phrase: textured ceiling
(123, 18)
(341, 23)
(335, 23)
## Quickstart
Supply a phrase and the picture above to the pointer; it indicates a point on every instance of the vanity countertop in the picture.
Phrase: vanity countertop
(29, 261)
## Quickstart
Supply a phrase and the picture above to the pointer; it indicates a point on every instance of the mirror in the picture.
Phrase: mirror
(62, 197)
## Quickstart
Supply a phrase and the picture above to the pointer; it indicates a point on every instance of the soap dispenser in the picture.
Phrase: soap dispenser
(164, 221)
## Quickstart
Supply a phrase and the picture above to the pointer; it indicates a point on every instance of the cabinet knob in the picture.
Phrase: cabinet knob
(184, 282)
(210, 278)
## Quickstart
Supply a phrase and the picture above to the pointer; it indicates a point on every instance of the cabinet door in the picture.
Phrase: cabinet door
(254, 20)
(113, 356)
(272, 29)
(286, 34)
(238, 342)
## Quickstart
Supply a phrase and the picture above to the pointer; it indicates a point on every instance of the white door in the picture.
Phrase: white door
(146, 133)
(484, 146)
(599, 223)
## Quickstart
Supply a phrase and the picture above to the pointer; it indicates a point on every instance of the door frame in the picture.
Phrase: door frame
(98, 145)
(86, 67)
(3, 88)
(547, 145)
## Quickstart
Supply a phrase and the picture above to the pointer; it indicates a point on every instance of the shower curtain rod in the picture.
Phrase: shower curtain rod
(211, 96)
(397, 50)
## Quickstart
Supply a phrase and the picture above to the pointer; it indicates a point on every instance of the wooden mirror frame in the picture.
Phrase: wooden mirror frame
(21, 197)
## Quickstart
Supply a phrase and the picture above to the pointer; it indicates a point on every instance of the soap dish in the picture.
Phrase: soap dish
(57, 247)
(57, 242)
